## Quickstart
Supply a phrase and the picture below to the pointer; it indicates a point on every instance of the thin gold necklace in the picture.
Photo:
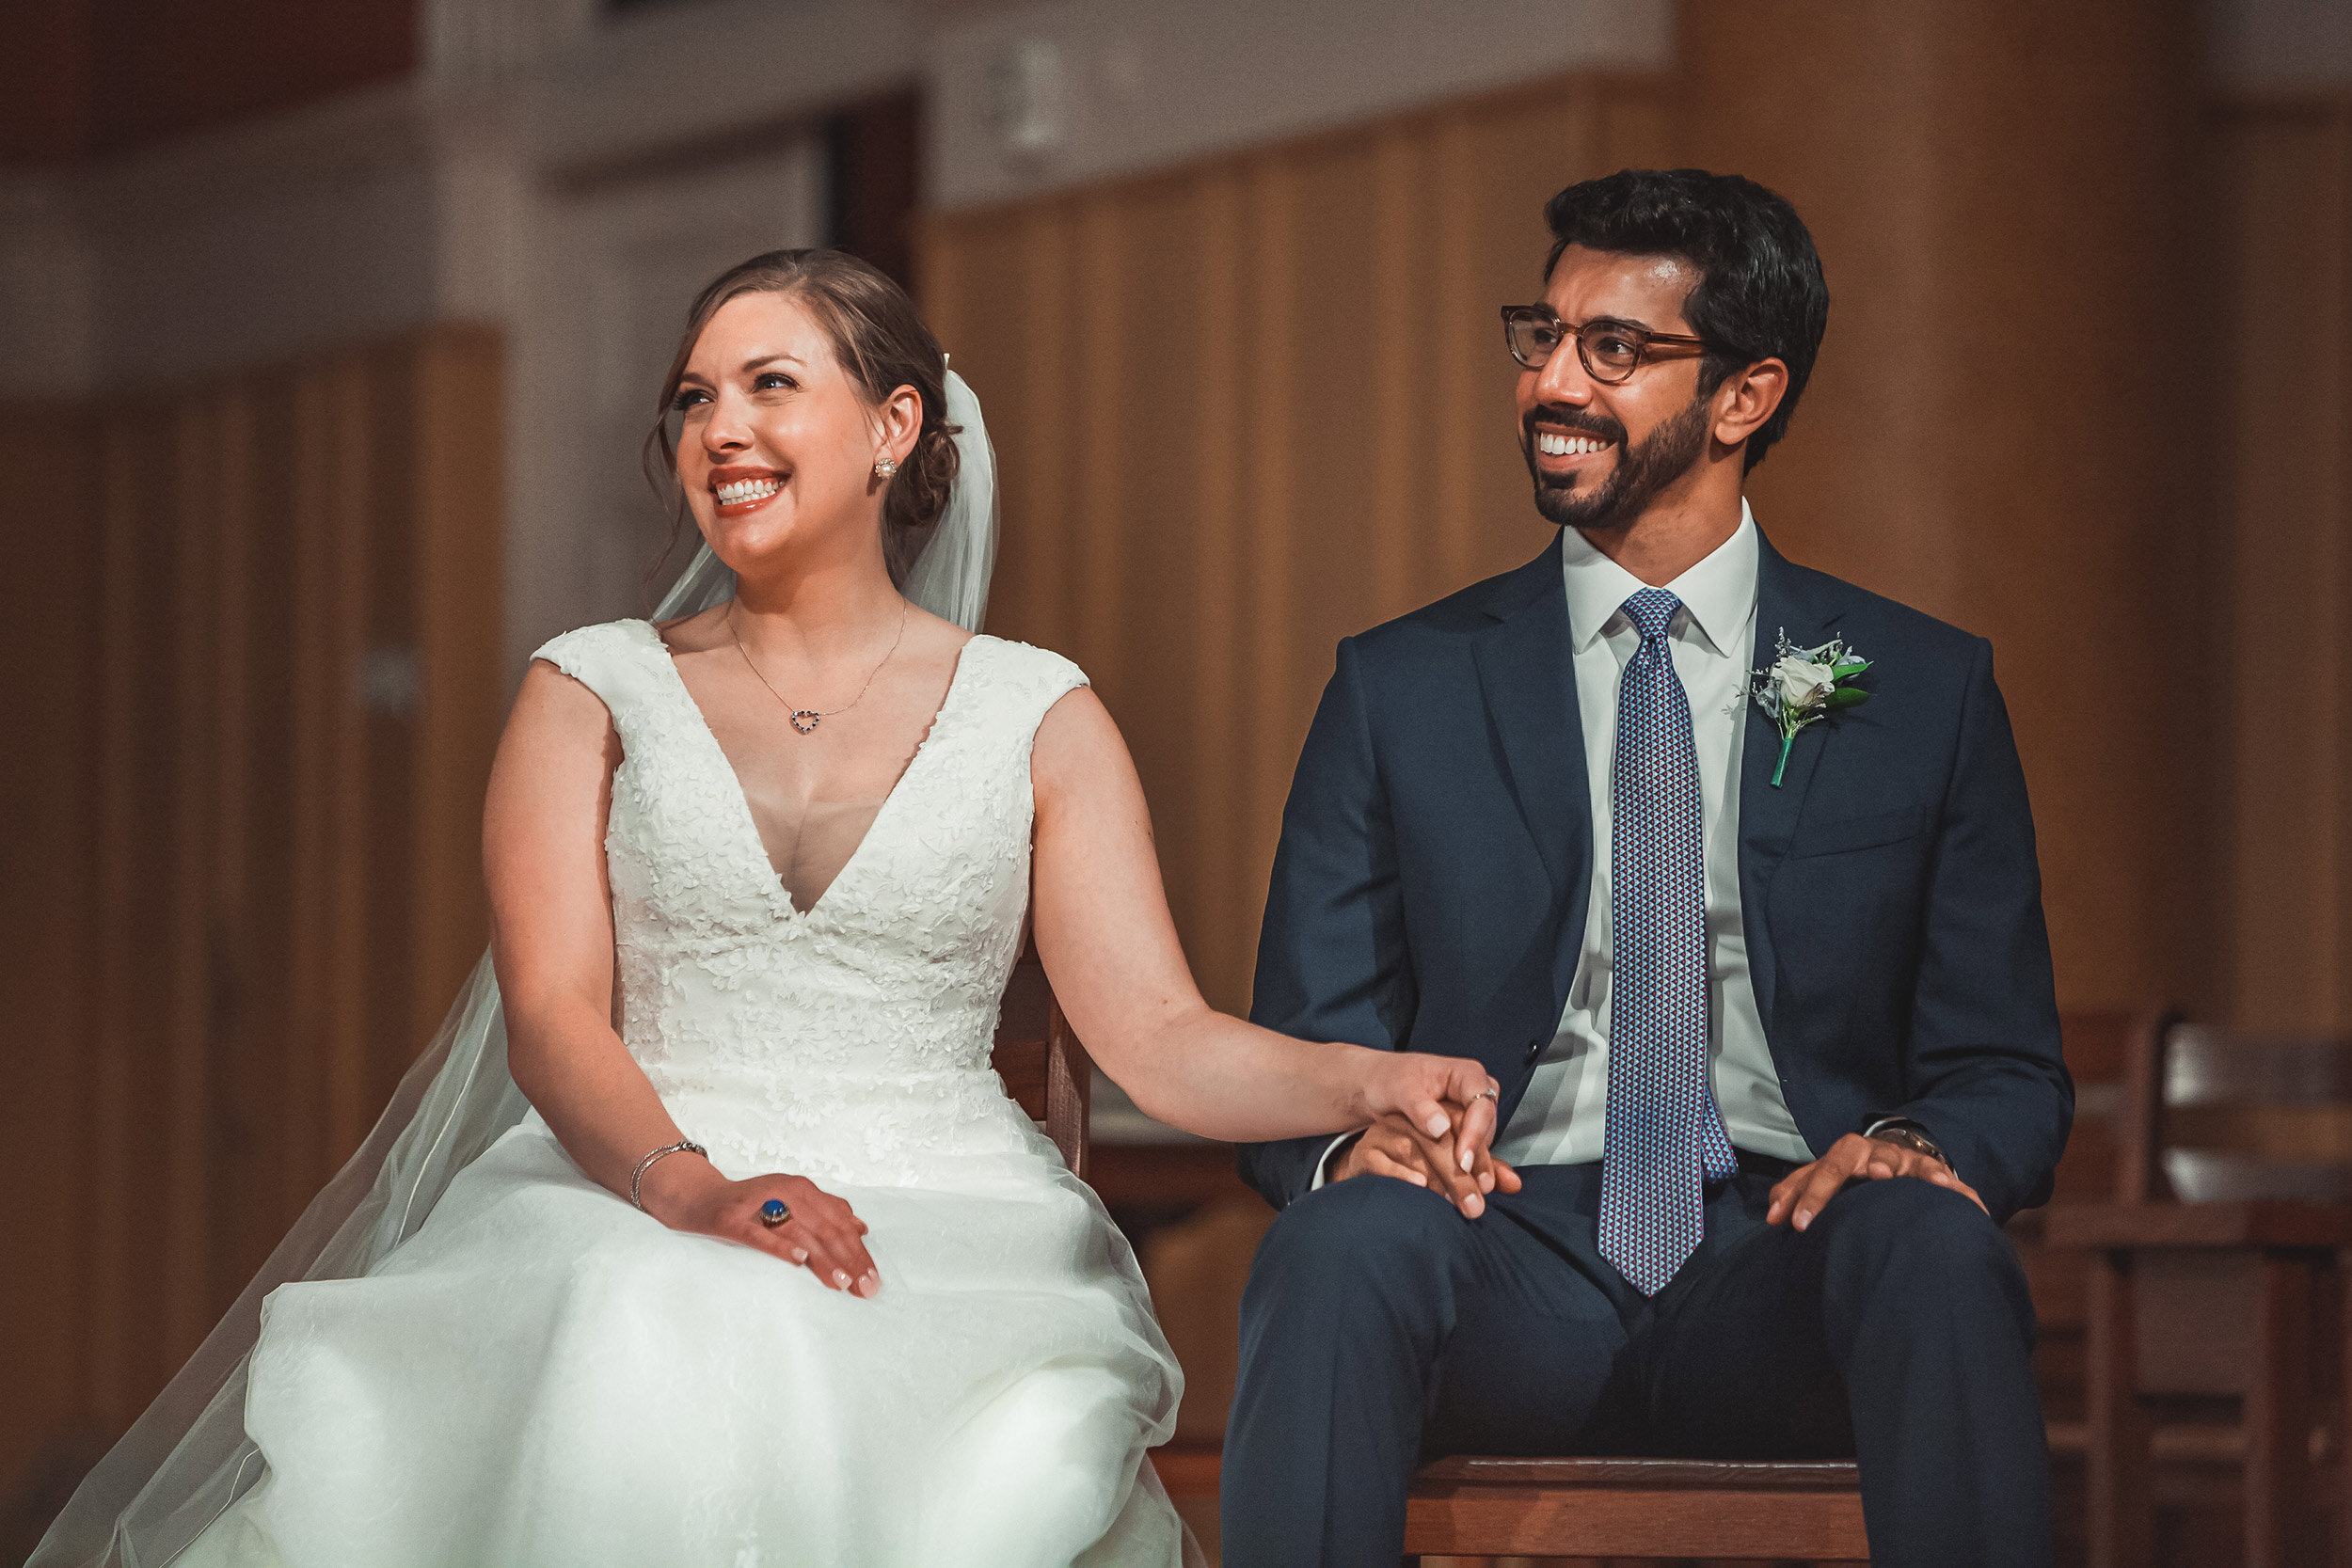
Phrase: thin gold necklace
(805, 719)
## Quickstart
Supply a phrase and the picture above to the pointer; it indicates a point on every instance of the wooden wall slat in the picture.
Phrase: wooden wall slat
(304, 1049)
(2281, 589)
(1204, 899)
(1270, 689)
(1106, 431)
(177, 1220)
(48, 919)
(115, 1157)
(1395, 327)
(456, 608)
(232, 1131)
(1455, 461)
(345, 520)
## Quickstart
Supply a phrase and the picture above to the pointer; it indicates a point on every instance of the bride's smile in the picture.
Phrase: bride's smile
(740, 491)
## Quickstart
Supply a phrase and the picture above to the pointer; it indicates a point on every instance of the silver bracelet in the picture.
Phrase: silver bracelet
(637, 1177)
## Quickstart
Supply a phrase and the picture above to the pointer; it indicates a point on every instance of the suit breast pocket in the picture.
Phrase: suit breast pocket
(1840, 836)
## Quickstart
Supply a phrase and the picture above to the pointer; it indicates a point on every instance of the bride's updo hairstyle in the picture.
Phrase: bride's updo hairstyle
(880, 341)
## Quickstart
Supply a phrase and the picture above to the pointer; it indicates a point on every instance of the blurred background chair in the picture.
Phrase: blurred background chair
(2212, 1370)
(2098, 1044)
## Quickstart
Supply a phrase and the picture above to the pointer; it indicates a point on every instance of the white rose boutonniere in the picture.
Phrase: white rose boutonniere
(1805, 684)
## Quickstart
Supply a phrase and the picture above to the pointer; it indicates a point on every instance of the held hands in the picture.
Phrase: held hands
(823, 1234)
(1800, 1196)
(1433, 1124)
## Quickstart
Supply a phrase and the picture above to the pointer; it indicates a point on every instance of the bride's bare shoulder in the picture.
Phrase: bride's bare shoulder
(1077, 747)
(933, 639)
(553, 704)
(698, 633)
(564, 694)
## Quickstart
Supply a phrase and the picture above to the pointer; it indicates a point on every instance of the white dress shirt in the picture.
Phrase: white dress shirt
(1561, 1118)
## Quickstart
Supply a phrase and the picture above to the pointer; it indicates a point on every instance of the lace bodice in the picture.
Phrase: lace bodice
(849, 1039)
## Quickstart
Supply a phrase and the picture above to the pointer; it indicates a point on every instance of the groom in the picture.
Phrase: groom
(1777, 1047)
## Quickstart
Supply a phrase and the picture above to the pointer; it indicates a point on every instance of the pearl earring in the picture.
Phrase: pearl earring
(885, 466)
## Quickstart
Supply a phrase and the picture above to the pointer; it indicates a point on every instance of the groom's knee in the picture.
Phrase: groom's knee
(1926, 1246)
(1352, 1243)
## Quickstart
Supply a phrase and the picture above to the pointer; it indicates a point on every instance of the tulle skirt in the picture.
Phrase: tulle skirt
(544, 1375)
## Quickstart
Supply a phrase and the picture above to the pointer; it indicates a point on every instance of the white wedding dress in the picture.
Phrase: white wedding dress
(545, 1375)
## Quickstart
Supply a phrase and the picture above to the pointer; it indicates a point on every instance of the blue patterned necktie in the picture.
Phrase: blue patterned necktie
(1663, 1136)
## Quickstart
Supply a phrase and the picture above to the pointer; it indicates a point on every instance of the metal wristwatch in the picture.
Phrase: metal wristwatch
(1905, 1133)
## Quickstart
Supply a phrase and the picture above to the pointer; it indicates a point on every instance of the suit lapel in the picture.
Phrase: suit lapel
(1787, 599)
(1527, 680)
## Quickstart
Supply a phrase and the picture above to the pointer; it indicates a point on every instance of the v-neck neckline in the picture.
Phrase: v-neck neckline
(750, 823)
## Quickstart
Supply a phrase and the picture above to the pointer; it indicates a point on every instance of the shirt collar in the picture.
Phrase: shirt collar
(1719, 591)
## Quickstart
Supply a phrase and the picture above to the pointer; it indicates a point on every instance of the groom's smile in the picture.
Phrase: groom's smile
(1570, 448)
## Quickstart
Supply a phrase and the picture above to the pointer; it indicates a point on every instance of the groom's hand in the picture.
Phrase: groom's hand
(1393, 1146)
(1801, 1194)
(1436, 1117)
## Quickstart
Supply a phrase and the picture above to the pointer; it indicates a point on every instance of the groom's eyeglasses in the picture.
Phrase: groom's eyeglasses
(1611, 350)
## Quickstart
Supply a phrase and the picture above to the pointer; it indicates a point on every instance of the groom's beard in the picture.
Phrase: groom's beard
(1639, 474)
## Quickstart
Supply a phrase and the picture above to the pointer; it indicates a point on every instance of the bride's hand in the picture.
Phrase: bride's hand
(821, 1232)
(1439, 1112)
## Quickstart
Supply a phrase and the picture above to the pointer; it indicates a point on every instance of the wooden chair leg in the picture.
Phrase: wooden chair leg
(2121, 1521)
(2278, 1415)
(2337, 1474)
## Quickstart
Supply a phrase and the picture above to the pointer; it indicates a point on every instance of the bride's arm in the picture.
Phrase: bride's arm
(551, 941)
(1110, 950)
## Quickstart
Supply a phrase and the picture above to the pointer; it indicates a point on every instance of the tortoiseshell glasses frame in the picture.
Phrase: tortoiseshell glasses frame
(1610, 350)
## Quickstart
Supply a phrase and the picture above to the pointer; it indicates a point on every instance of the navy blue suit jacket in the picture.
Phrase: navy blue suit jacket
(1429, 892)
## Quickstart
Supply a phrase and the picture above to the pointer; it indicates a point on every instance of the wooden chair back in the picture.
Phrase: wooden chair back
(2102, 1046)
(2217, 1118)
(1044, 1066)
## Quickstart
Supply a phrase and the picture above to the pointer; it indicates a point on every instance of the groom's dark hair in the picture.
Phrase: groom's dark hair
(1760, 295)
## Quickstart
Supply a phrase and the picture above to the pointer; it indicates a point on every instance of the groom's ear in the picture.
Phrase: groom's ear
(1746, 399)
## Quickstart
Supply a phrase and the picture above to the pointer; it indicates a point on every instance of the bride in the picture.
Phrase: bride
(769, 1269)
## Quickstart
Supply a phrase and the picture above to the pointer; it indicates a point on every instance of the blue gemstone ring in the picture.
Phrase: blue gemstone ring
(774, 1212)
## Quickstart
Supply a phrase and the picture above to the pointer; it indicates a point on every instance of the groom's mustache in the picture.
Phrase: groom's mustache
(1562, 418)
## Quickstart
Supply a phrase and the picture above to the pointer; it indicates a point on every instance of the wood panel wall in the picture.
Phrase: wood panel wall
(256, 690)
(1247, 408)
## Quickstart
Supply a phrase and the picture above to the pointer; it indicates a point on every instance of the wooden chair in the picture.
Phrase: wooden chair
(2099, 1044)
(1044, 1066)
(2214, 1269)
(1809, 1509)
